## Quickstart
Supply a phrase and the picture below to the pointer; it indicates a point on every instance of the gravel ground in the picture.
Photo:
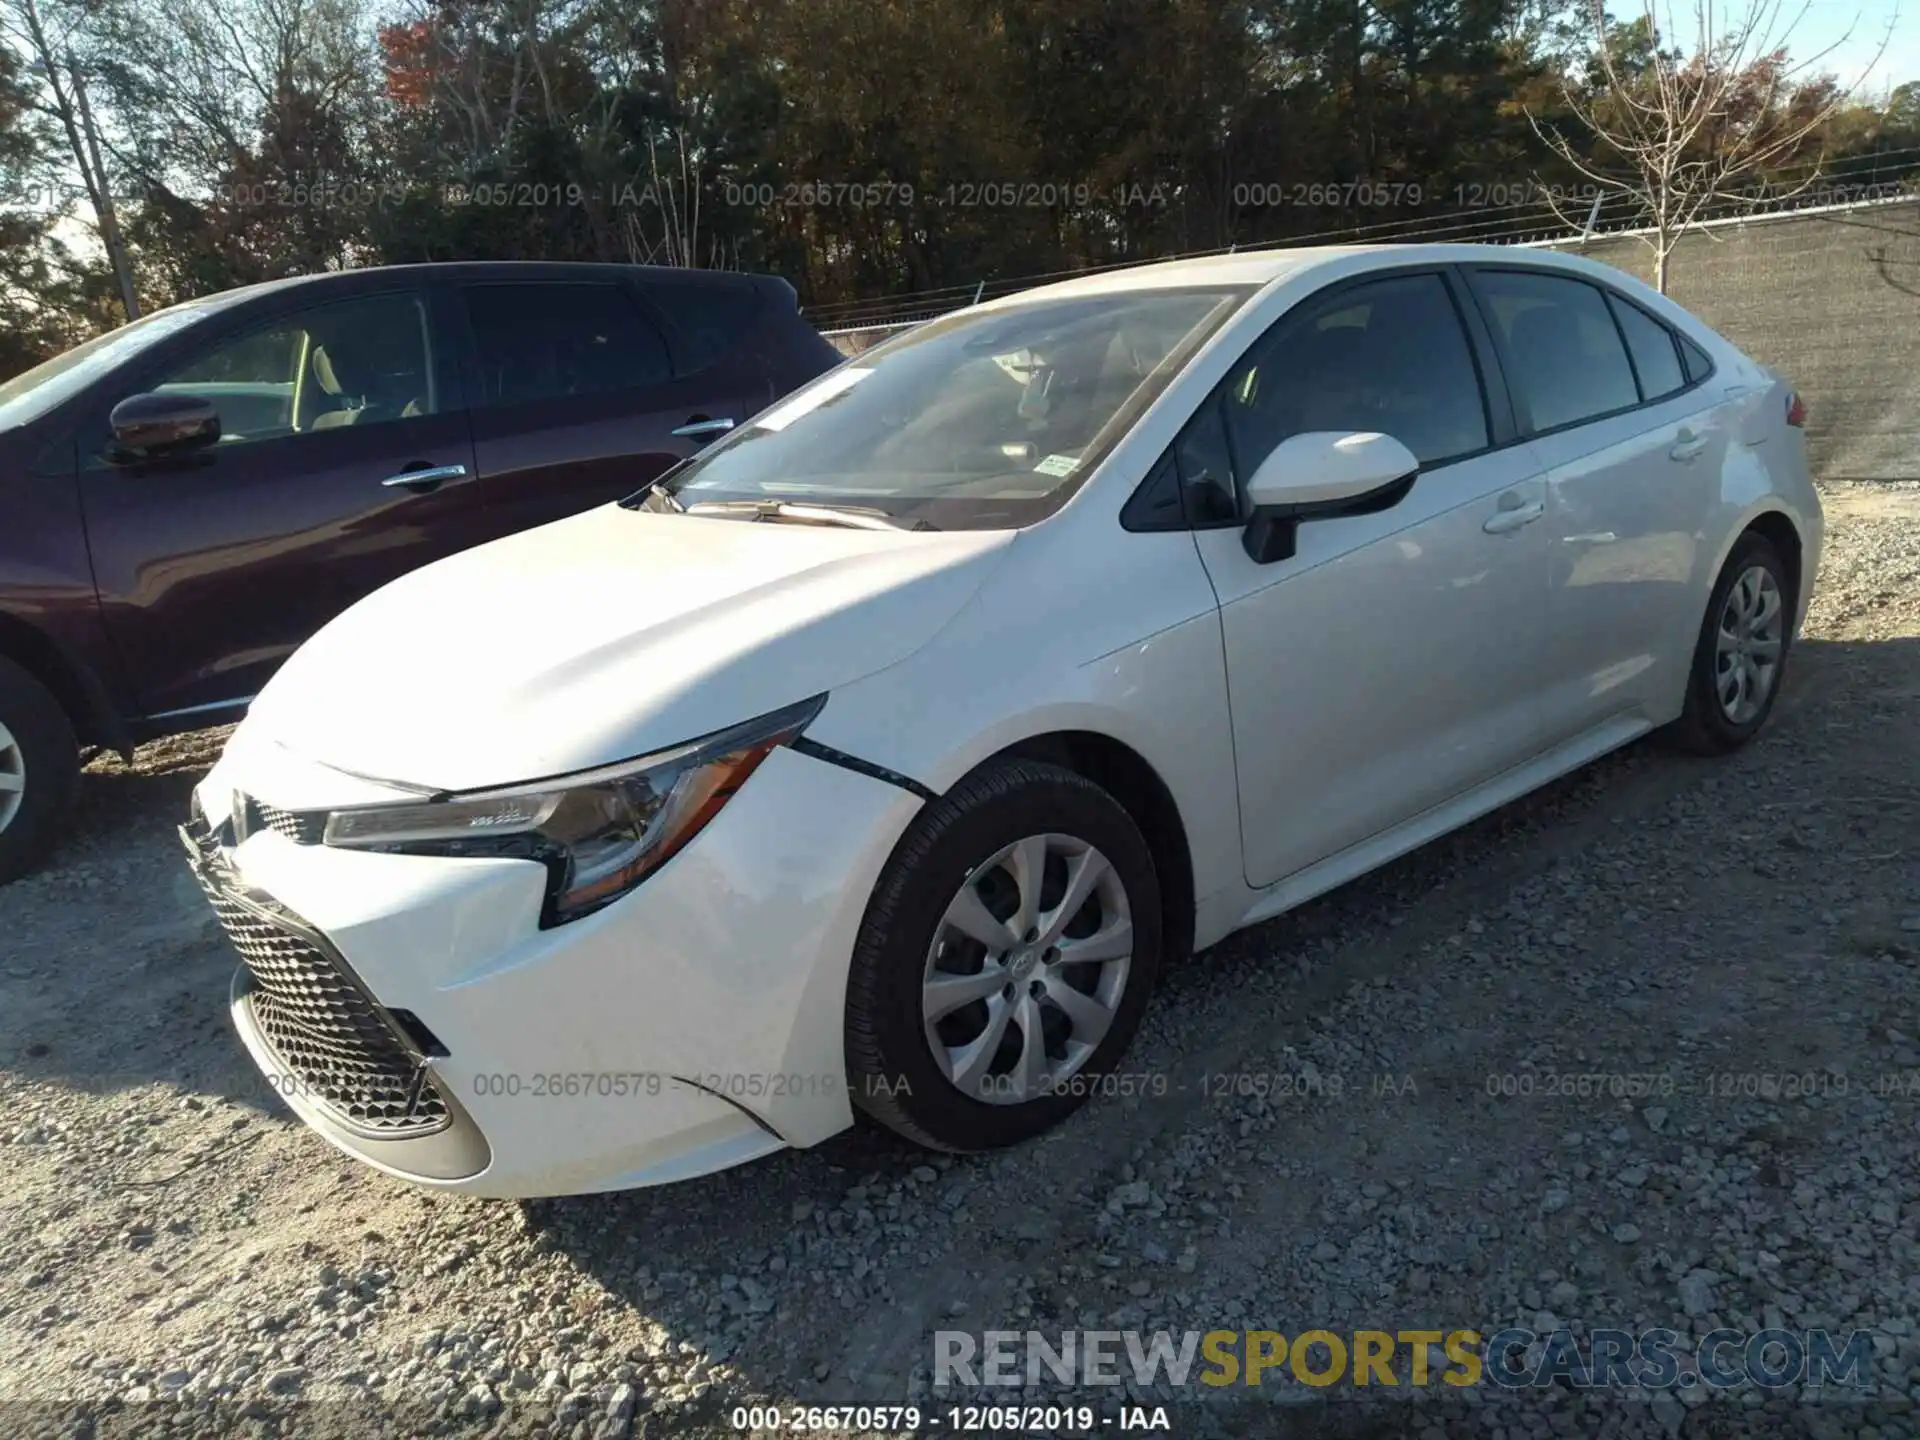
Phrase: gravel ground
(178, 1254)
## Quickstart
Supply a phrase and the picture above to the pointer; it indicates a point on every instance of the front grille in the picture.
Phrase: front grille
(340, 1050)
(301, 827)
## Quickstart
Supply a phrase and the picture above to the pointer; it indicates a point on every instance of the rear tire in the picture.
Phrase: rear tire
(1740, 657)
(1005, 960)
(39, 766)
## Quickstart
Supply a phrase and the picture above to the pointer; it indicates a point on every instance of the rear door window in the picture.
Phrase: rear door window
(1563, 354)
(539, 342)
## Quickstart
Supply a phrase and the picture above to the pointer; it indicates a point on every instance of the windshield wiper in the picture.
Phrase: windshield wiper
(655, 495)
(853, 517)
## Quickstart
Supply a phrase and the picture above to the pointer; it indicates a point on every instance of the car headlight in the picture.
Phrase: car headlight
(599, 832)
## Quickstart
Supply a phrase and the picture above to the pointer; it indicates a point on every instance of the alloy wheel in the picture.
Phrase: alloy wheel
(1027, 969)
(13, 777)
(1748, 645)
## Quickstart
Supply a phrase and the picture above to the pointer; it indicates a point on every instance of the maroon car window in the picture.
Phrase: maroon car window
(710, 319)
(547, 342)
(354, 362)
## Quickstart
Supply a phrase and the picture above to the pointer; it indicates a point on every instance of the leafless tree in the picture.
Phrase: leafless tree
(671, 233)
(1684, 129)
(47, 38)
(216, 71)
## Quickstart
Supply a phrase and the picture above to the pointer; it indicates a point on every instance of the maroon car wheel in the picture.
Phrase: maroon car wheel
(39, 763)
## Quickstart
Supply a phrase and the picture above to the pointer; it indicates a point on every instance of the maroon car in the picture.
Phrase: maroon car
(187, 499)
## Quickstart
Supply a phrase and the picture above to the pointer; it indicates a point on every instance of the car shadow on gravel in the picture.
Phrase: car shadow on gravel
(114, 807)
(123, 812)
(116, 801)
(760, 1268)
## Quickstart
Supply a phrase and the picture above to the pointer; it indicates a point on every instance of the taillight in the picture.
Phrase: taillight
(1796, 411)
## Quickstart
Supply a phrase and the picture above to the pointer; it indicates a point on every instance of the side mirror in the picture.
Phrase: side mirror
(157, 424)
(1320, 474)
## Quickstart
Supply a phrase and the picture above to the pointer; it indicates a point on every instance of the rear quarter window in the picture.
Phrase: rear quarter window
(1655, 360)
(1699, 364)
(708, 319)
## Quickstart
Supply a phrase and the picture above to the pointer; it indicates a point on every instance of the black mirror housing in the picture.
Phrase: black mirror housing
(158, 424)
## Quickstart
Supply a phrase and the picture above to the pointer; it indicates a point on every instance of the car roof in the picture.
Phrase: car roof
(548, 270)
(472, 270)
(1259, 268)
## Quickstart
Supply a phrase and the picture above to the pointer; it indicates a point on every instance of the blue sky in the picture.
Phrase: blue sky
(1825, 21)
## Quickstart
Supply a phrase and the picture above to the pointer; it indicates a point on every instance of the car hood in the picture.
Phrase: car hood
(605, 636)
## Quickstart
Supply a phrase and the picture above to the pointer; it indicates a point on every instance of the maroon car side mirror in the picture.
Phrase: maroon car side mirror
(157, 424)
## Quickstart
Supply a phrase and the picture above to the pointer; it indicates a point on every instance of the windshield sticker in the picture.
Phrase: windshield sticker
(1057, 465)
(838, 383)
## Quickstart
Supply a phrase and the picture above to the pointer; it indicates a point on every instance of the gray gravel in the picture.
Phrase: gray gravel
(176, 1252)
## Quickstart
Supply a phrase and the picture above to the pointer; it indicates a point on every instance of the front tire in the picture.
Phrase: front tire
(39, 765)
(1741, 655)
(1005, 960)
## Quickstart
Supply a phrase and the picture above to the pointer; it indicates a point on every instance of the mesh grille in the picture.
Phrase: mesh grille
(302, 829)
(338, 1048)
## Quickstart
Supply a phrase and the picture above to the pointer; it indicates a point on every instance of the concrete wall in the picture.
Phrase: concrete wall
(852, 342)
(1832, 301)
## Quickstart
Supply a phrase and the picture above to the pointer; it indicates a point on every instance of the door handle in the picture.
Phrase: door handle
(701, 429)
(1687, 446)
(428, 477)
(1508, 519)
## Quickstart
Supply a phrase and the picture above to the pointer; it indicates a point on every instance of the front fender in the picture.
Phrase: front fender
(1163, 697)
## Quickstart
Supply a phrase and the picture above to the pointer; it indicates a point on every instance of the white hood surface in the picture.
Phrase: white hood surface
(605, 636)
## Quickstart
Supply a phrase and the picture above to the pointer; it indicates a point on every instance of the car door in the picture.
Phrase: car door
(1390, 662)
(576, 402)
(214, 565)
(1632, 448)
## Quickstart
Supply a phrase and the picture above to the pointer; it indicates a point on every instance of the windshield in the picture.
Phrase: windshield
(34, 392)
(982, 420)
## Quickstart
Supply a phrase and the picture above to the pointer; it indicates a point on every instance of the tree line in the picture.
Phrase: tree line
(862, 148)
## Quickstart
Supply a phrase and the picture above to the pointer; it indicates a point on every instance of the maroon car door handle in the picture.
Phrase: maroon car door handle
(700, 428)
(427, 477)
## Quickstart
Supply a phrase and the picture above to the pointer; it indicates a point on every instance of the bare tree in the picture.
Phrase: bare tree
(490, 67)
(202, 80)
(1681, 130)
(675, 237)
(47, 40)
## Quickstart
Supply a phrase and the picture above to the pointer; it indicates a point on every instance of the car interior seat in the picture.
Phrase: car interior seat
(358, 393)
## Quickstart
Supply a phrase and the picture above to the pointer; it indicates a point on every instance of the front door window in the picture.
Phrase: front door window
(354, 362)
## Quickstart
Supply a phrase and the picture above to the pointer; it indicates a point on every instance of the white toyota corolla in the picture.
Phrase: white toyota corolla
(881, 756)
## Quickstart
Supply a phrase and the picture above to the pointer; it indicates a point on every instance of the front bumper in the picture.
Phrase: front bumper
(691, 1026)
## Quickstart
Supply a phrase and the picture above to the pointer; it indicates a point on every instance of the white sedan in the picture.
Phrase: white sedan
(877, 759)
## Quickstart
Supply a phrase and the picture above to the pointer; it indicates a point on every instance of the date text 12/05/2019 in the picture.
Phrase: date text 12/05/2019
(963, 1419)
(956, 195)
